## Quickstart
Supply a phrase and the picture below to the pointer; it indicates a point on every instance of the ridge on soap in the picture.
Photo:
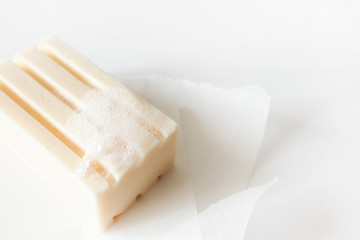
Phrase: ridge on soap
(101, 145)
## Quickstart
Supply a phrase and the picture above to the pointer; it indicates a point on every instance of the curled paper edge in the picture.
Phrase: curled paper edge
(228, 218)
(225, 219)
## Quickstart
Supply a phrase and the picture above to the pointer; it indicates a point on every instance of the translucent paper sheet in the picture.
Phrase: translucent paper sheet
(203, 197)
(223, 129)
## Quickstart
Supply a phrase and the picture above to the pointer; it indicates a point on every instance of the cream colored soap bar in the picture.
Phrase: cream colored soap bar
(100, 144)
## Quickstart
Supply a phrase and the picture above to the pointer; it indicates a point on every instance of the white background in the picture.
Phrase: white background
(306, 54)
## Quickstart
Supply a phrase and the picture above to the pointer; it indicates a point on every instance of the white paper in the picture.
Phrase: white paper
(223, 131)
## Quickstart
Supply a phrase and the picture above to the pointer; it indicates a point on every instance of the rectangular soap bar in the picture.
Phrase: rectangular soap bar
(87, 134)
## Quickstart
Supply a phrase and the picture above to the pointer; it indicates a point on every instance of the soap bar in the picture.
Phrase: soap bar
(97, 142)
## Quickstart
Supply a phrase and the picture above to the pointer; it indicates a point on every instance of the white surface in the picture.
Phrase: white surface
(304, 53)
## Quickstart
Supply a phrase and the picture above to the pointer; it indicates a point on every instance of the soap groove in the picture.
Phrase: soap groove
(55, 131)
(51, 89)
(50, 127)
(70, 70)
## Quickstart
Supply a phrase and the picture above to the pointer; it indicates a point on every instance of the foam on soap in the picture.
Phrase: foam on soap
(110, 131)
